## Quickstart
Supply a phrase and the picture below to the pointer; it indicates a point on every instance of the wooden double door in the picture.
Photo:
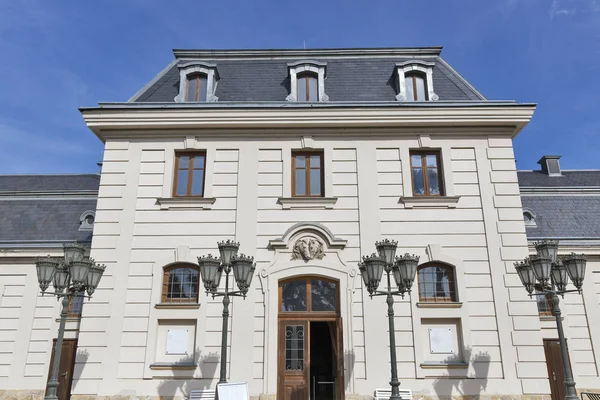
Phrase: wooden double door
(65, 368)
(310, 340)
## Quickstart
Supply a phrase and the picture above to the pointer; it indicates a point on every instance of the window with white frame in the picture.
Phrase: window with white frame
(415, 81)
(197, 82)
(307, 81)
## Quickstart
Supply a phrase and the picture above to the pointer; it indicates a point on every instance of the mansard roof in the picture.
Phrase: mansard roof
(565, 207)
(45, 210)
(353, 75)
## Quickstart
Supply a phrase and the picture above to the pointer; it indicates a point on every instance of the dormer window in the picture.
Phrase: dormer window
(416, 88)
(308, 89)
(307, 81)
(197, 82)
(196, 88)
(415, 81)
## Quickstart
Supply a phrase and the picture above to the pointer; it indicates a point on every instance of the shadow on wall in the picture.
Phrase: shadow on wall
(349, 358)
(80, 359)
(471, 385)
(182, 387)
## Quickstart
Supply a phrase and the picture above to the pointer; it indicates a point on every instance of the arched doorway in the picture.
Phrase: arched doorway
(310, 345)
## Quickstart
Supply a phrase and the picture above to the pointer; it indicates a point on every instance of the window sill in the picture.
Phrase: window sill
(183, 203)
(177, 306)
(548, 318)
(173, 366)
(442, 365)
(306, 202)
(71, 319)
(424, 304)
(429, 201)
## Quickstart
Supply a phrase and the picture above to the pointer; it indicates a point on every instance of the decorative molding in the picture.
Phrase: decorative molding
(423, 304)
(425, 141)
(307, 142)
(177, 306)
(332, 242)
(308, 248)
(306, 202)
(168, 203)
(429, 201)
(148, 121)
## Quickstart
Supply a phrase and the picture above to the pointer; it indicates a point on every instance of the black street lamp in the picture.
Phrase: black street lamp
(70, 277)
(211, 269)
(404, 269)
(552, 274)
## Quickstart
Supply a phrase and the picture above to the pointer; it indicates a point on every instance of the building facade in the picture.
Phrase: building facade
(307, 157)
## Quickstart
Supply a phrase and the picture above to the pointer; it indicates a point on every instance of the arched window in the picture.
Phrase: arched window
(180, 284)
(436, 283)
(416, 89)
(196, 88)
(308, 89)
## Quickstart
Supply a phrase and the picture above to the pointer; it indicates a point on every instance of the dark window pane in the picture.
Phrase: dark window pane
(191, 90)
(436, 284)
(313, 90)
(300, 161)
(300, 182)
(182, 179)
(76, 305)
(294, 347)
(418, 181)
(302, 89)
(293, 296)
(198, 182)
(184, 162)
(323, 295)
(431, 160)
(202, 89)
(416, 160)
(433, 180)
(420, 88)
(182, 285)
(315, 182)
(410, 94)
(199, 162)
(315, 162)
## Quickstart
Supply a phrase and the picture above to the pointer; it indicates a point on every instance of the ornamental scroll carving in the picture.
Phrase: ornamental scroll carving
(308, 248)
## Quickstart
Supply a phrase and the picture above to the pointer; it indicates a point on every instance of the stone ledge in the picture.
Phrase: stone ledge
(177, 306)
(429, 201)
(173, 366)
(306, 202)
(424, 304)
(185, 203)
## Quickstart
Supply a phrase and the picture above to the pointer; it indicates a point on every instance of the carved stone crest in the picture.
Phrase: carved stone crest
(308, 248)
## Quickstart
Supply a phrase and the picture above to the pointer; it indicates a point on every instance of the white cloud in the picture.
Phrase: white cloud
(556, 10)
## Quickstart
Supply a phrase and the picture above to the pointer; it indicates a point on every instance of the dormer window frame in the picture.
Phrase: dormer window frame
(194, 68)
(408, 68)
(307, 67)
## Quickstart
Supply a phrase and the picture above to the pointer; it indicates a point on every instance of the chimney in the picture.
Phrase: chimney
(550, 165)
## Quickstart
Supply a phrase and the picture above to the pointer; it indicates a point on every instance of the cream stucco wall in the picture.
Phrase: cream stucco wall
(368, 171)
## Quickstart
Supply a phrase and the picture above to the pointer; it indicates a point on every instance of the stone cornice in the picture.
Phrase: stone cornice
(303, 53)
(119, 120)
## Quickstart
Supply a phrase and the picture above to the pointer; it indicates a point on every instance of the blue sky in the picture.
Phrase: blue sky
(59, 55)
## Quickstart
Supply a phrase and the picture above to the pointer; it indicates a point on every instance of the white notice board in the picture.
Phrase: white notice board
(177, 341)
(441, 341)
(232, 391)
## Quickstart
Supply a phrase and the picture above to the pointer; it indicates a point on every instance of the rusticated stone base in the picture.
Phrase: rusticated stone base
(21, 394)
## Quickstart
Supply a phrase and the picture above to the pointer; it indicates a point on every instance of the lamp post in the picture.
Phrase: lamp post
(552, 274)
(70, 277)
(211, 269)
(404, 269)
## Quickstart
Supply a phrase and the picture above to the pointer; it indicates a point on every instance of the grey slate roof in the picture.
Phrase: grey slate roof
(569, 179)
(560, 215)
(348, 79)
(45, 208)
(43, 183)
(564, 216)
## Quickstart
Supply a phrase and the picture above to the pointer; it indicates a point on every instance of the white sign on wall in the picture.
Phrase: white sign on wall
(232, 391)
(441, 341)
(177, 341)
